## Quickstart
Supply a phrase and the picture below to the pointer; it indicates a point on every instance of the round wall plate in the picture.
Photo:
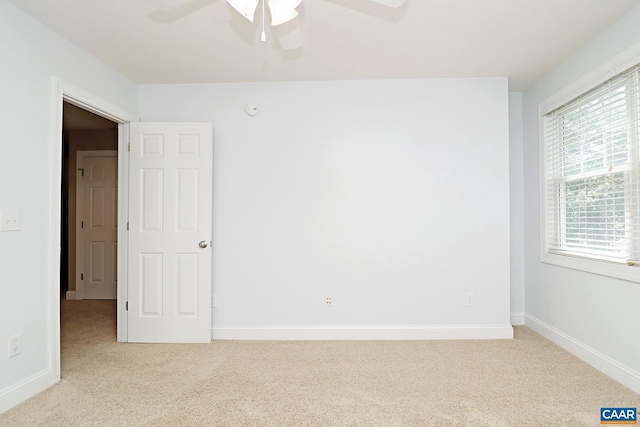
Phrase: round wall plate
(251, 108)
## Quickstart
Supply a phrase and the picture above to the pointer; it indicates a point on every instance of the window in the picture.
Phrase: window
(592, 168)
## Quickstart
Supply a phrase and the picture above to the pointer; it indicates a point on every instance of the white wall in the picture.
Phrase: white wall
(516, 206)
(391, 195)
(30, 55)
(594, 316)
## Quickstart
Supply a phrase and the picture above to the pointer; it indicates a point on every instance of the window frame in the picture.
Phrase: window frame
(608, 70)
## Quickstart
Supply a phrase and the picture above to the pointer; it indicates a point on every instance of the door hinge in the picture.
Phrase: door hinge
(126, 306)
(128, 146)
(127, 225)
(81, 276)
(81, 171)
(81, 224)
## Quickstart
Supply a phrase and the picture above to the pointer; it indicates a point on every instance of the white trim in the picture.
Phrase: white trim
(619, 63)
(603, 268)
(517, 318)
(123, 217)
(55, 248)
(25, 389)
(87, 101)
(81, 155)
(610, 367)
(63, 91)
(71, 296)
(362, 332)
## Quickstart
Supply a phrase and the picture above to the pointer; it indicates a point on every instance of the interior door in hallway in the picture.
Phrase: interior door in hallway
(170, 231)
(97, 224)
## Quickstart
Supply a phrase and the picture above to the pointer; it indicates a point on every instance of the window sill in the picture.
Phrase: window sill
(610, 269)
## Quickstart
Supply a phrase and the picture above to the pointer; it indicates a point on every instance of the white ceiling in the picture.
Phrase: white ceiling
(204, 41)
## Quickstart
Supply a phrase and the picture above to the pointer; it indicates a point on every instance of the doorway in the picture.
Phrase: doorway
(82, 131)
(71, 94)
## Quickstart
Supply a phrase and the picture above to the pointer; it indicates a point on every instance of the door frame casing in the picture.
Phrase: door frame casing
(66, 92)
(80, 235)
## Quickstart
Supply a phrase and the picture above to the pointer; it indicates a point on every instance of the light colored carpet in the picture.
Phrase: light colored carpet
(527, 381)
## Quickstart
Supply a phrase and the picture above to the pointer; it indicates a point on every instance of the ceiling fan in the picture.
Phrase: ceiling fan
(281, 11)
(285, 10)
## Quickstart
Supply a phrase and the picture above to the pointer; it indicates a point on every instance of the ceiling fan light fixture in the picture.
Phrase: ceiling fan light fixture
(246, 8)
(283, 11)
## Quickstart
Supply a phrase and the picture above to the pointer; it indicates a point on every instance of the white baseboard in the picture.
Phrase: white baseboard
(287, 333)
(517, 318)
(25, 389)
(619, 372)
(71, 295)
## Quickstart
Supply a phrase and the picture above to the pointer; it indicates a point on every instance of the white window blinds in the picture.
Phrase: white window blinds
(592, 173)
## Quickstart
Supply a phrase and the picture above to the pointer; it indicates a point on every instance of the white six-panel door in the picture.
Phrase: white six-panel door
(97, 228)
(170, 223)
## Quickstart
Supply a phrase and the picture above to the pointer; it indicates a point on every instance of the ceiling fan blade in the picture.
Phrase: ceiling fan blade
(168, 16)
(247, 8)
(283, 10)
(390, 3)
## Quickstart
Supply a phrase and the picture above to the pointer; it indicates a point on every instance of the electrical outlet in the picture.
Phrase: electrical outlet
(9, 221)
(328, 300)
(15, 344)
(469, 299)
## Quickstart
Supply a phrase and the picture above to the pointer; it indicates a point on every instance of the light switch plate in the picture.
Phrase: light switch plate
(9, 220)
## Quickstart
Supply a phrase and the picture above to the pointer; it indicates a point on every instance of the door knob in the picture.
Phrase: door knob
(203, 244)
